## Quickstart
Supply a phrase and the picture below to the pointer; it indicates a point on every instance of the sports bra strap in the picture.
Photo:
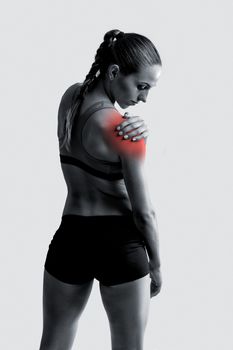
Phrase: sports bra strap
(81, 121)
(81, 153)
(96, 106)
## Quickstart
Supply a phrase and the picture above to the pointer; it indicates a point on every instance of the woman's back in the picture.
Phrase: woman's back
(90, 193)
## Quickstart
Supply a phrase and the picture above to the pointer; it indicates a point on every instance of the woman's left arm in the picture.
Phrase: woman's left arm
(133, 127)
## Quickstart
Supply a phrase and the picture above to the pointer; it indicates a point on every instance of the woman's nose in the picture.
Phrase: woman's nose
(143, 96)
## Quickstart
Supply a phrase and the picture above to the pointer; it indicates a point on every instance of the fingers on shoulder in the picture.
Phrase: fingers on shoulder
(124, 147)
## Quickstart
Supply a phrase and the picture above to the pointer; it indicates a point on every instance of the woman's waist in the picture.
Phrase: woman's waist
(111, 228)
(96, 205)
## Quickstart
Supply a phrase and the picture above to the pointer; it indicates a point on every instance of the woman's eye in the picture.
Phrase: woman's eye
(142, 87)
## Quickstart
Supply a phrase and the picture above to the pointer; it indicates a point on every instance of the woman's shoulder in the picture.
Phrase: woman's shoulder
(65, 104)
(72, 91)
(72, 88)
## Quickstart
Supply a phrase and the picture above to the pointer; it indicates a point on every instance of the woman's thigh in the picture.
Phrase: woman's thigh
(63, 304)
(127, 308)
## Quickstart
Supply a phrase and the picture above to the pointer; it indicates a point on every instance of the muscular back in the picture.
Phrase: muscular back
(88, 194)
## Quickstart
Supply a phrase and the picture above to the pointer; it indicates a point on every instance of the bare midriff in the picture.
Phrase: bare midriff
(89, 195)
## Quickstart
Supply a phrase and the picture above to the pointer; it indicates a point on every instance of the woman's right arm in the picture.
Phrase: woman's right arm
(143, 212)
(132, 156)
(133, 168)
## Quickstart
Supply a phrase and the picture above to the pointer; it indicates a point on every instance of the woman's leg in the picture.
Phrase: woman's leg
(63, 304)
(127, 307)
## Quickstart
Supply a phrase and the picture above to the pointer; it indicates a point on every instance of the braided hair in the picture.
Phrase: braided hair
(129, 50)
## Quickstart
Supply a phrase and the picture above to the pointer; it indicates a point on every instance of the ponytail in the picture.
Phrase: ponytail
(130, 51)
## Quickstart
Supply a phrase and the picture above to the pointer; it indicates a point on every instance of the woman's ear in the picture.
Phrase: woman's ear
(113, 71)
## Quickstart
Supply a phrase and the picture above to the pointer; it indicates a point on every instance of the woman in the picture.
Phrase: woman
(108, 228)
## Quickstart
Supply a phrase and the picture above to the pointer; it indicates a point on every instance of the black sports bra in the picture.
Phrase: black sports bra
(98, 167)
(77, 162)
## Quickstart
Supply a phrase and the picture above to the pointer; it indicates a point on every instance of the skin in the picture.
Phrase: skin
(126, 304)
(133, 87)
(125, 89)
(120, 146)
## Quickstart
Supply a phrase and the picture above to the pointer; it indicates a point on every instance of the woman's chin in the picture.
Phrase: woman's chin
(124, 105)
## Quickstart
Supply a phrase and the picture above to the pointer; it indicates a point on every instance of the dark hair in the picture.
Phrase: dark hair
(130, 51)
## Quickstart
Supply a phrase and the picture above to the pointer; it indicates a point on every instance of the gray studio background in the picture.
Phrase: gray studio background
(45, 47)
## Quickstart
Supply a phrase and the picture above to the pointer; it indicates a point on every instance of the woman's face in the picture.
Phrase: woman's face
(129, 90)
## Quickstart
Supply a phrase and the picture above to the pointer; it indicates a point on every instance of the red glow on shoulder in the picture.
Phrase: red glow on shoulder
(120, 145)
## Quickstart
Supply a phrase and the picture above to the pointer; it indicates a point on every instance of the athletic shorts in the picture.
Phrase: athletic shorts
(109, 248)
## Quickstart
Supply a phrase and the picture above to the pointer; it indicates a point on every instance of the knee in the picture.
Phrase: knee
(58, 336)
(132, 342)
(127, 347)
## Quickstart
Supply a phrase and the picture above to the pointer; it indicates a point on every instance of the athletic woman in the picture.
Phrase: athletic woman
(108, 228)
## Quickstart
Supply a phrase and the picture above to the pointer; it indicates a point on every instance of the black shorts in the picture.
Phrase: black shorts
(109, 248)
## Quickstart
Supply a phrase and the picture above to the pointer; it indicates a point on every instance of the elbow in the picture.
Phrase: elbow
(142, 217)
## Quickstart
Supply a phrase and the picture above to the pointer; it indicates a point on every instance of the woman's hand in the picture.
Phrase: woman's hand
(134, 127)
(156, 280)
